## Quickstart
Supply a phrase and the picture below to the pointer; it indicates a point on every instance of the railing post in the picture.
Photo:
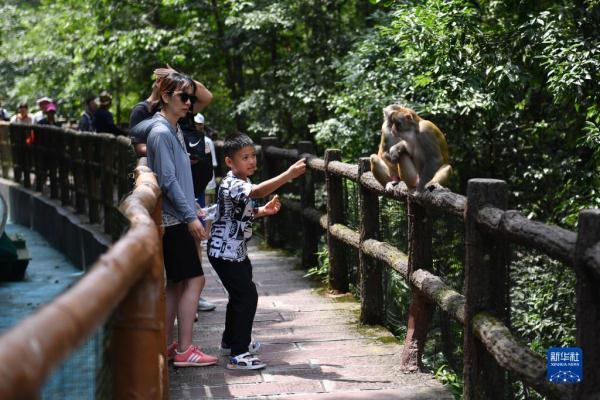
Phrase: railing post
(338, 267)
(420, 309)
(17, 152)
(66, 140)
(91, 178)
(371, 284)
(123, 168)
(39, 168)
(5, 153)
(53, 155)
(107, 179)
(485, 289)
(73, 164)
(138, 346)
(27, 156)
(310, 232)
(269, 170)
(587, 309)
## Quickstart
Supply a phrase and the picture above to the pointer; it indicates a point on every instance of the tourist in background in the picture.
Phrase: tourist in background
(86, 122)
(49, 115)
(22, 116)
(103, 119)
(41, 103)
(209, 149)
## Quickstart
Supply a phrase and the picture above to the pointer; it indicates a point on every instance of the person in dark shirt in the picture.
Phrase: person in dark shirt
(146, 108)
(103, 119)
(86, 122)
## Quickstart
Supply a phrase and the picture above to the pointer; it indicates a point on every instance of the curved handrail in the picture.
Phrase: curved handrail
(55, 330)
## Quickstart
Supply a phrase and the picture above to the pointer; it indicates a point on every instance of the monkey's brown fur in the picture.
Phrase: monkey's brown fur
(412, 149)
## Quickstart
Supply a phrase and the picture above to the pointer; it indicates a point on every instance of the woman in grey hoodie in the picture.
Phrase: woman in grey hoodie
(168, 158)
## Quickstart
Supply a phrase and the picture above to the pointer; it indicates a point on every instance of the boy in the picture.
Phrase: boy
(227, 251)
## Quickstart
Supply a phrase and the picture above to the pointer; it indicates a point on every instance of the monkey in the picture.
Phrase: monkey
(412, 150)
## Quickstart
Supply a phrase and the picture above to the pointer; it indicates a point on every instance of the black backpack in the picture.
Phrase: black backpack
(202, 171)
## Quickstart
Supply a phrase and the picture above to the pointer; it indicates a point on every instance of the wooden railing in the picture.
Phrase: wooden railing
(126, 283)
(489, 349)
(483, 310)
(86, 171)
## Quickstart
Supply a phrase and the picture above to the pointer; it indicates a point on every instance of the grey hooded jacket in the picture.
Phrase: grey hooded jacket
(168, 159)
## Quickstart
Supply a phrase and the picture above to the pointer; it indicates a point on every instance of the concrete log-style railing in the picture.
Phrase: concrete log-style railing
(489, 348)
(70, 168)
(127, 282)
(556, 242)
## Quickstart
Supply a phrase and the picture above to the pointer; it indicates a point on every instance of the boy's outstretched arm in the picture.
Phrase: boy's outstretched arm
(269, 186)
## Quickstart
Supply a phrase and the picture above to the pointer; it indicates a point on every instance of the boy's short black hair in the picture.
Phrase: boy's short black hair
(235, 143)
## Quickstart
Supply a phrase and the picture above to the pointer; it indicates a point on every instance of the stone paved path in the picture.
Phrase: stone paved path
(311, 343)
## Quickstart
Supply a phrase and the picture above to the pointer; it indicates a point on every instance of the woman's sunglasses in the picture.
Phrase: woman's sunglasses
(186, 96)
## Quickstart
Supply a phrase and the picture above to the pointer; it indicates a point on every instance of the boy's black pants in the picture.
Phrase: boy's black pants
(243, 298)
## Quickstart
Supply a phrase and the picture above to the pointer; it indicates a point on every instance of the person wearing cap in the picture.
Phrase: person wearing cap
(49, 115)
(41, 103)
(22, 116)
(103, 119)
(146, 108)
(86, 123)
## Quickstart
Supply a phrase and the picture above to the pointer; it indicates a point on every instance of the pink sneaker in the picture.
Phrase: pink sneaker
(193, 357)
(171, 351)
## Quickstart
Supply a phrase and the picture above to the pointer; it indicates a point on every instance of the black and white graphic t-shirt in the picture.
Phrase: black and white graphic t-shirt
(233, 224)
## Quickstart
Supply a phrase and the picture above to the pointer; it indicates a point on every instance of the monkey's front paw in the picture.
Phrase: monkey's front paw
(395, 156)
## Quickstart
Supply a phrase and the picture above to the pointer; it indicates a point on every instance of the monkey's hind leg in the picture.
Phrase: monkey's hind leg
(441, 177)
(380, 170)
(408, 171)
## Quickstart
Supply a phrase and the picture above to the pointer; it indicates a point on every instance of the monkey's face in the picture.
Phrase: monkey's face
(398, 120)
(403, 121)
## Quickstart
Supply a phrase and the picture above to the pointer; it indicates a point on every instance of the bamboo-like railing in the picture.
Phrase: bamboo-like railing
(126, 283)
(483, 310)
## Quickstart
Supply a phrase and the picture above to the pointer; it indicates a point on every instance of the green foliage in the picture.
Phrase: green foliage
(451, 380)
(542, 302)
(321, 270)
(512, 84)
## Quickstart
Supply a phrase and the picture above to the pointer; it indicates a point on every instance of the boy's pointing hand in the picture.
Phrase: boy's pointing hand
(298, 168)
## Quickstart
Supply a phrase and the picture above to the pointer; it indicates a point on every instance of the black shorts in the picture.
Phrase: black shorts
(181, 256)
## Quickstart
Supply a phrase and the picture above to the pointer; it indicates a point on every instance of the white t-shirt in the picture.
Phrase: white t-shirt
(210, 145)
(232, 227)
(17, 119)
(38, 116)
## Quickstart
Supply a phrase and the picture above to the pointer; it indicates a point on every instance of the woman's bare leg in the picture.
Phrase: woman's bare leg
(186, 312)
